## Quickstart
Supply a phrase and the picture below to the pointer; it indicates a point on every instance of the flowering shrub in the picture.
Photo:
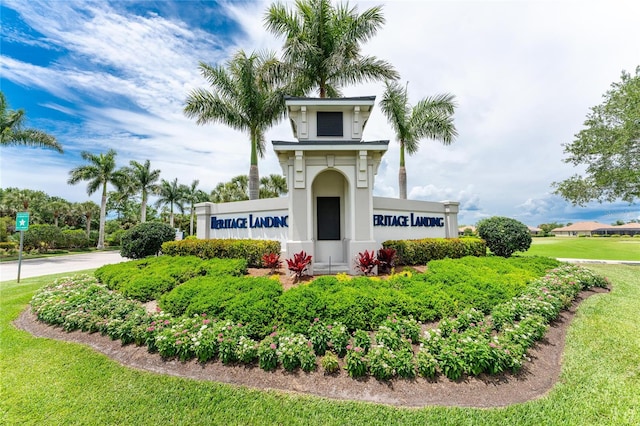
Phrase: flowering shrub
(355, 361)
(320, 336)
(339, 338)
(268, 353)
(426, 363)
(382, 362)
(330, 363)
(366, 261)
(471, 343)
(294, 351)
(272, 261)
(405, 364)
(299, 264)
(386, 260)
(362, 340)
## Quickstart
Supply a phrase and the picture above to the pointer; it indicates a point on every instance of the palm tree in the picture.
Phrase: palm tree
(143, 180)
(322, 45)
(100, 172)
(171, 194)
(431, 118)
(59, 208)
(193, 195)
(242, 97)
(234, 190)
(12, 132)
(89, 210)
(273, 186)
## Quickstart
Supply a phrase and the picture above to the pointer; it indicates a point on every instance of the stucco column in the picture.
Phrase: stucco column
(451, 218)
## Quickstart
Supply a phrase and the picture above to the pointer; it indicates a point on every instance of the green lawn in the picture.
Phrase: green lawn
(586, 248)
(50, 382)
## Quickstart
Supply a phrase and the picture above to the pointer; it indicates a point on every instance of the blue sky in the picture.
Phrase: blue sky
(115, 74)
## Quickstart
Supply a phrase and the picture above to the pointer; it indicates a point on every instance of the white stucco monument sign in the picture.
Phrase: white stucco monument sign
(330, 211)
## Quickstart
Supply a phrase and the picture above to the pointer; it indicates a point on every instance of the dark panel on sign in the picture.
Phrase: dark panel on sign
(329, 123)
(328, 218)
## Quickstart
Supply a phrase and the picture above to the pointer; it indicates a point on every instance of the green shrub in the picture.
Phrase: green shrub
(145, 239)
(6, 223)
(251, 250)
(251, 301)
(420, 252)
(147, 279)
(43, 238)
(114, 239)
(504, 236)
(75, 238)
(8, 245)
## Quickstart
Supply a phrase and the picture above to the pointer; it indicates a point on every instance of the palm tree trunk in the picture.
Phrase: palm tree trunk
(254, 177)
(143, 208)
(402, 174)
(103, 217)
(171, 215)
(191, 223)
(88, 226)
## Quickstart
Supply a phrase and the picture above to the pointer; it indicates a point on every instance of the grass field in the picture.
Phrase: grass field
(51, 382)
(586, 248)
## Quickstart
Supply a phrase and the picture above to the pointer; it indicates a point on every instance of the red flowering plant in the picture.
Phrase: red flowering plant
(298, 265)
(366, 262)
(386, 259)
(272, 261)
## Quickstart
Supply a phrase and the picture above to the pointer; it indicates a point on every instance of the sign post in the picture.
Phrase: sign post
(22, 224)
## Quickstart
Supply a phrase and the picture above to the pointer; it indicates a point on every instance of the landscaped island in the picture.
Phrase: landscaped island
(464, 316)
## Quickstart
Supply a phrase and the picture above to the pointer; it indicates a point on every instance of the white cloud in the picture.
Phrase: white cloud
(524, 74)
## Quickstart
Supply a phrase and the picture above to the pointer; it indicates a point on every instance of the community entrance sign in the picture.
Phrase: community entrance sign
(22, 224)
(22, 221)
(330, 211)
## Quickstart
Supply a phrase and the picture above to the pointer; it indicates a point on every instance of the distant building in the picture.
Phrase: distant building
(534, 231)
(590, 229)
(462, 229)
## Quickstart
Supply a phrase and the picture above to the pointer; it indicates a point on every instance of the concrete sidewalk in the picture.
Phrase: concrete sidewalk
(609, 262)
(58, 264)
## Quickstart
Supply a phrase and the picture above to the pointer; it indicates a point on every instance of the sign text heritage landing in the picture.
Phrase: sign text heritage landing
(411, 220)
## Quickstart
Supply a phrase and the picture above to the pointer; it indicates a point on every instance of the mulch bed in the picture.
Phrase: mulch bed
(535, 379)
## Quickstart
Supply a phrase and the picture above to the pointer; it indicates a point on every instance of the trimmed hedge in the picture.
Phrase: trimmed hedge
(147, 279)
(420, 252)
(251, 250)
(447, 287)
(249, 301)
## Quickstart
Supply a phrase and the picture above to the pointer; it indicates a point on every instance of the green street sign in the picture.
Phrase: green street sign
(22, 221)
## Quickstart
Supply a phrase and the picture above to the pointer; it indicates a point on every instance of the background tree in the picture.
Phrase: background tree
(244, 98)
(273, 186)
(609, 147)
(89, 210)
(431, 118)
(193, 195)
(322, 45)
(143, 181)
(172, 195)
(100, 172)
(234, 190)
(12, 131)
(59, 208)
(504, 236)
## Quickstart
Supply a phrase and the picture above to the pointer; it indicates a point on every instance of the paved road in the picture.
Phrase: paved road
(58, 264)
(77, 262)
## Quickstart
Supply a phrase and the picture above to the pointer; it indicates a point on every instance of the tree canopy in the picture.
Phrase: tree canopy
(609, 147)
(322, 45)
(13, 132)
(243, 98)
(431, 118)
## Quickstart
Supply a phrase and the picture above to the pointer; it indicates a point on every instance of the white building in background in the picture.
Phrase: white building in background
(330, 211)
